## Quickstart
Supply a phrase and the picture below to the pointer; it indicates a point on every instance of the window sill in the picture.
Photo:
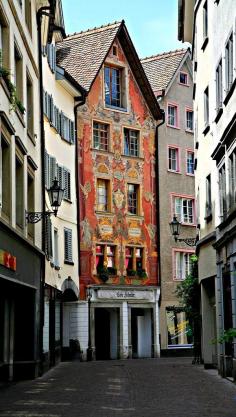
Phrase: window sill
(188, 224)
(120, 109)
(67, 200)
(102, 151)
(5, 88)
(189, 131)
(183, 85)
(230, 92)
(205, 42)
(219, 113)
(190, 175)
(69, 262)
(174, 172)
(173, 127)
(132, 157)
(104, 213)
(206, 130)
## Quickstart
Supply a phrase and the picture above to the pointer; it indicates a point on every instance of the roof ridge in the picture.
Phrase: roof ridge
(164, 55)
(93, 30)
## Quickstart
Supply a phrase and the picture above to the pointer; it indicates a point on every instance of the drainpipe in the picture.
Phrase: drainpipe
(81, 102)
(158, 196)
(41, 12)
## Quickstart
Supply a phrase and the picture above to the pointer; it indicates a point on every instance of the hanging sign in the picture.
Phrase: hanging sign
(7, 260)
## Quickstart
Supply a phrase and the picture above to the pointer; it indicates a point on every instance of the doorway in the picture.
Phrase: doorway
(106, 333)
(141, 332)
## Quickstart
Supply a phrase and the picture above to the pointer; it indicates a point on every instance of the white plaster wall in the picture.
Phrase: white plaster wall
(75, 324)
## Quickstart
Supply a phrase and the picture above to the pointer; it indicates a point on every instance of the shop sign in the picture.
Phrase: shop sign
(126, 295)
(134, 232)
(7, 260)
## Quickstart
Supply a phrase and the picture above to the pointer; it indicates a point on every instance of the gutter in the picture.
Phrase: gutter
(158, 196)
(80, 102)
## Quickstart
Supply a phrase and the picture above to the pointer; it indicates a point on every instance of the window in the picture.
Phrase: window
(18, 78)
(30, 201)
(222, 191)
(5, 178)
(55, 252)
(219, 87)
(232, 178)
(113, 86)
(190, 162)
(179, 328)
(101, 136)
(48, 238)
(30, 107)
(229, 68)
(172, 112)
(105, 258)
(208, 197)
(206, 107)
(205, 21)
(182, 264)
(133, 260)
(131, 142)
(173, 159)
(183, 78)
(183, 209)
(19, 192)
(28, 15)
(103, 194)
(189, 120)
(4, 42)
(68, 258)
(132, 198)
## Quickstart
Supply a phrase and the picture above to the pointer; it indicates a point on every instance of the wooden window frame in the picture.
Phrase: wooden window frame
(175, 106)
(173, 208)
(133, 149)
(108, 194)
(103, 135)
(176, 251)
(119, 105)
(186, 75)
(189, 110)
(177, 149)
(137, 206)
(188, 151)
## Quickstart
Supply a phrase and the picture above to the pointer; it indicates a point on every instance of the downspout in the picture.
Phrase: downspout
(42, 11)
(158, 196)
(81, 102)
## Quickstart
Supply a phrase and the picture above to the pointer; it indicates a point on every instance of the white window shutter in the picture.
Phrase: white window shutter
(60, 176)
(53, 169)
(67, 185)
(46, 170)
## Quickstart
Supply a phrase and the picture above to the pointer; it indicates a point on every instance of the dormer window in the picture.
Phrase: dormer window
(113, 86)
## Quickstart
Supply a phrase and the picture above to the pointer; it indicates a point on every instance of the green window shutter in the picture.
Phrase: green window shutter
(68, 245)
(48, 238)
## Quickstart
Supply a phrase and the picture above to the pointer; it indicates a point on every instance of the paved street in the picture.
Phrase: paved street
(135, 388)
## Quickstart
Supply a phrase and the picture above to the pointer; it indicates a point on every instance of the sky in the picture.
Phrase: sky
(152, 24)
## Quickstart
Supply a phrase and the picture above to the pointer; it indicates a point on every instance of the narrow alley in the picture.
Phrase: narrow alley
(136, 388)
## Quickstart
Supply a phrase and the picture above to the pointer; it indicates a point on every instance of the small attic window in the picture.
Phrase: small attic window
(183, 78)
(114, 50)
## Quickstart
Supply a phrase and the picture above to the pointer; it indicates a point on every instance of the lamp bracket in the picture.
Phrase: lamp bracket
(190, 241)
(36, 216)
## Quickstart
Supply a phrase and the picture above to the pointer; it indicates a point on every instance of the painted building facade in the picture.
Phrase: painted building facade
(170, 75)
(118, 242)
(213, 38)
(20, 177)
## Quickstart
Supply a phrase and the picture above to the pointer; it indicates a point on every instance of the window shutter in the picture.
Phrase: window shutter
(67, 185)
(48, 105)
(62, 125)
(52, 170)
(68, 244)
(48, 238)
(54, 59)
(46, 169)
(44, 102)
(72, 131)
(60, 176)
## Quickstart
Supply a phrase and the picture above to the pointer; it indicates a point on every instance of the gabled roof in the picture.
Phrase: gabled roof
(83, 54)
(160, 69)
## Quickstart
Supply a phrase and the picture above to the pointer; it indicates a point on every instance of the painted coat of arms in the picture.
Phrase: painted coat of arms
(118, 198)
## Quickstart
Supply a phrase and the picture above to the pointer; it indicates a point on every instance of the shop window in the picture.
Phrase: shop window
(114, 86)
(19, 192)
(131, 142)
(101, 136)
(133, 198)
(179, 328)
(5, 178)
(103, 191)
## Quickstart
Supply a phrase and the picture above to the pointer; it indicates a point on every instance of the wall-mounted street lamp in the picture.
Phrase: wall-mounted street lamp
(55, 193)
(89, 350)
(175, 227)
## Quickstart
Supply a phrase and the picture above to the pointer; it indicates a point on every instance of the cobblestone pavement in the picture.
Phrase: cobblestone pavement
(134, 388)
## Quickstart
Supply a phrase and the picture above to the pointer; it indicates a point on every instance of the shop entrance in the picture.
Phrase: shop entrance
(106, 333)
(141, 332)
